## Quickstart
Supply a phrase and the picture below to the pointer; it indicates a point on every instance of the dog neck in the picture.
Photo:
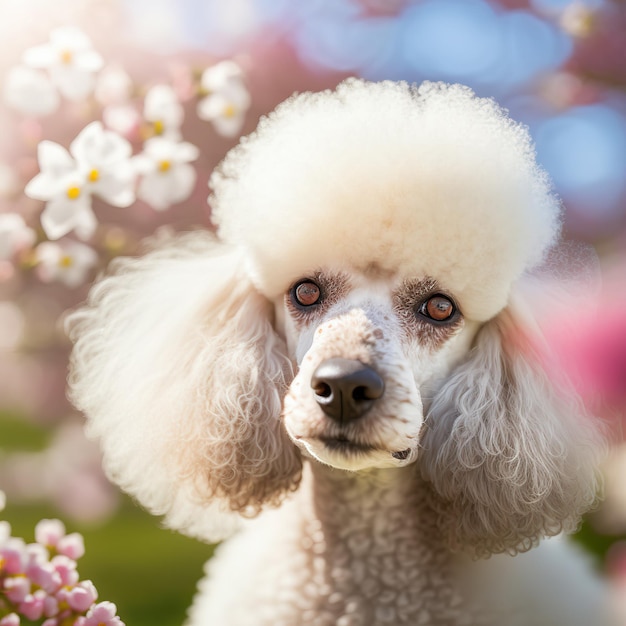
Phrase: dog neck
(379, 542)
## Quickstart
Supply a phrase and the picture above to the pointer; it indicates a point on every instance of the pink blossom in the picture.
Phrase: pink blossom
(81, 597)
(102, 614)
(12, 619)
(72, 546)
(17, 588)
(66, 568)
(50, 606)
(13, 556)
(33, 604)
(48, 532)
(36, 554)
(45, 576)
(51, 622)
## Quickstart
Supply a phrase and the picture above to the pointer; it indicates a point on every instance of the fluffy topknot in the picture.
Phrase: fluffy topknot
(425, 181)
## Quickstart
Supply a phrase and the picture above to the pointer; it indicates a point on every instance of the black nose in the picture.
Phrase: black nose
(345, 389)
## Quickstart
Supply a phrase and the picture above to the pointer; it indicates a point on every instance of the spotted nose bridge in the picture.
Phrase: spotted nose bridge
(346, 389)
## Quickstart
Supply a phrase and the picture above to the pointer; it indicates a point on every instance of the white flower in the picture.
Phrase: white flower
(98, 163)
(14, 235)
(30, 92)
(220, 76)
(70, 59)
(168, 177)
(163, 111)
(114, 86)
(121, 118)
(68, 262)
(226, 108)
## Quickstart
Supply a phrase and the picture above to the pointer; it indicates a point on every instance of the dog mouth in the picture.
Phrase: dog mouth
(346, 446)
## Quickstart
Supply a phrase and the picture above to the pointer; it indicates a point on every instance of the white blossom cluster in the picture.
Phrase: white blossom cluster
(99, 162)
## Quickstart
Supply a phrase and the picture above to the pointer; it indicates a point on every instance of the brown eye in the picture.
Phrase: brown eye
(438, 308)
(307, 293)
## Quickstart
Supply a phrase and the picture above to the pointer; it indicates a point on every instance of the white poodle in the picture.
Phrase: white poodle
(345, 378)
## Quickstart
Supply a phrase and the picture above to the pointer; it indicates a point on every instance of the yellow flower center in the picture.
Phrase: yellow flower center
(73, 193)
(159, 127)
(164, 166)
(66, 56)
(66, 261)
(94, 175)
(229, 110)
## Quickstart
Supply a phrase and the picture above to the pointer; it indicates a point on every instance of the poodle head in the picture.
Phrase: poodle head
(355, 309)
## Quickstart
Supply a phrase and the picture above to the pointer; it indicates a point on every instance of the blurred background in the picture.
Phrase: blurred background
(558, 66)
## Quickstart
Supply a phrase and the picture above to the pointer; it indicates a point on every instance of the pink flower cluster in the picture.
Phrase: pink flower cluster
(39, 581)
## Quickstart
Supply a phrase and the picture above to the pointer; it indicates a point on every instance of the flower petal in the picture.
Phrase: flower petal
(86, 223)
(114, 86)
(117, 187)
(40, 56)
(184, 152)
(62, 215)
(54, 158)
(96, 148)
(184, 180)
(70, 37)
(30, 92)
(228, 126)
(88, 61)
(215, 78)
(74, 83)
(155, 189)
(121, 118)
(42, 187)
(161, 104)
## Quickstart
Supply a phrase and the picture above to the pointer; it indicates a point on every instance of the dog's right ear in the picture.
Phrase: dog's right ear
(181, 376)
(509, 449)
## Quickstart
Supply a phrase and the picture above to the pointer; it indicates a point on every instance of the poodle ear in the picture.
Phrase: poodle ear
(511, 457)
(181, 376)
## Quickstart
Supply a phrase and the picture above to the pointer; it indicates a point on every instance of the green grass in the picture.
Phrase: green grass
(18, 433)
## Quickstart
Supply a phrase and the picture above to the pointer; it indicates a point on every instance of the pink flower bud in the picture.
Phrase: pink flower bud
(50, 606)
(32, 606)
(82, 596)
(51, 622)
(66, 568)
(71, 545)
(45, 576)
(36, 553)
(103, 614)
(17, 588)
(48, 532)
(11, 619)
(13, 557)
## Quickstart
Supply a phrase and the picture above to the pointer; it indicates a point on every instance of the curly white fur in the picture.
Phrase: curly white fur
(185, 396)
(426, 176)
(510, 455)
(194, 365)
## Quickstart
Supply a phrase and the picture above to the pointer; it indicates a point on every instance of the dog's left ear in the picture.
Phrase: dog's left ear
(511, 456)
(180, 374)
